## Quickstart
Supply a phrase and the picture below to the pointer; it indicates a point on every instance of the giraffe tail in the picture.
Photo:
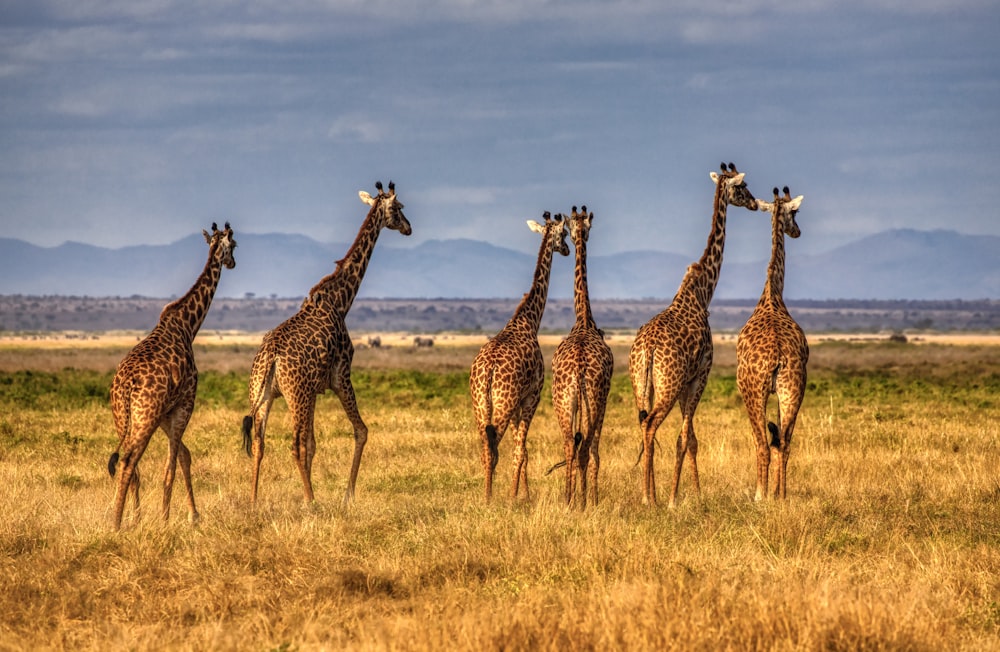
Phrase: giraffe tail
(645, 390)
(493, 441)
(775, 439)
(265, 390)
(113, 464)
(578, 411)
(247, 432)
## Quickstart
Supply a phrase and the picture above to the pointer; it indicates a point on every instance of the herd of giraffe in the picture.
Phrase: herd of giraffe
(156, 383)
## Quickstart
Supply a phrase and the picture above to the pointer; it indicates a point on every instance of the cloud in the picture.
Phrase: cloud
(357, 128)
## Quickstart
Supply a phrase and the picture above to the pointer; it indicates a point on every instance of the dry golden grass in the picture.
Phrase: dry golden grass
(890, 538)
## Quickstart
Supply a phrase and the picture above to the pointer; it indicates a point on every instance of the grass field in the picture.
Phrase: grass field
(889, 539)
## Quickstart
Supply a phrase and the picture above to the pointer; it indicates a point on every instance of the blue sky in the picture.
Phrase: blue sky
(142, 121)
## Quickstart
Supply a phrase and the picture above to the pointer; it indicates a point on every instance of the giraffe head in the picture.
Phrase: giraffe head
(579, 224)
(553, 231)
(222, 244)
(783, 211)
(734, 189)
(387, 210)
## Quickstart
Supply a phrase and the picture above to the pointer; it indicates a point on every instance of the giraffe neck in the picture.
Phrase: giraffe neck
(529, 311)
(774, 287)
(343, 284)
(581, 295)
(703, 276)
(186, 315)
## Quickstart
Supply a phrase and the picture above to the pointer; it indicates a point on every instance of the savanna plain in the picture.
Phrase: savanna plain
(889, 538)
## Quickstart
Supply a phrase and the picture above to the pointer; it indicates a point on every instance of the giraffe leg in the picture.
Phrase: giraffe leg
(168, 474)
(345, 392)
(521, 458)
(789, 405)
(302, 416)
(755, 401)
(174, 426)
(184, 456)
(595, 454)
(687, 442)
(128, 472)
(583, 462)
(570, 448)
(649, 428)
(491, 435)
(259, 426)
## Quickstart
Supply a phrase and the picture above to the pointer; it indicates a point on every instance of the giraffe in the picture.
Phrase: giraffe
(672, 353)
(507, 375)
(312, 351)
(156, 383)
(581, 376)
(772, 352)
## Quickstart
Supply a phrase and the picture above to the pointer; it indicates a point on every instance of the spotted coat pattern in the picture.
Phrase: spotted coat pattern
(506, 378)
(771, 355)
(581, 377)
(672, 354)
(155, 384)
(312, 352)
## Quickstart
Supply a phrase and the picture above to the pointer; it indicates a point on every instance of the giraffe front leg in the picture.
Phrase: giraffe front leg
(174, 426)
(168, 476)
(687, 443)
(303, 410)
(345, 392)
(184, 456)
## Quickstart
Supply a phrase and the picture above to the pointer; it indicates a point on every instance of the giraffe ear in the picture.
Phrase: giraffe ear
(738, 179)
(535, 226)
(795, 203)
(365, 197)
(208, 238)
(714, 176)
(764, 207)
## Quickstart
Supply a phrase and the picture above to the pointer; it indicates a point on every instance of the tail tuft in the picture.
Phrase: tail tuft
(494, 444)
(642, 416)
(113, 463)
(775, 440)
(247, 431)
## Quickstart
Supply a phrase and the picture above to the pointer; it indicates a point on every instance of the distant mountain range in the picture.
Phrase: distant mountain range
(896, 264)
